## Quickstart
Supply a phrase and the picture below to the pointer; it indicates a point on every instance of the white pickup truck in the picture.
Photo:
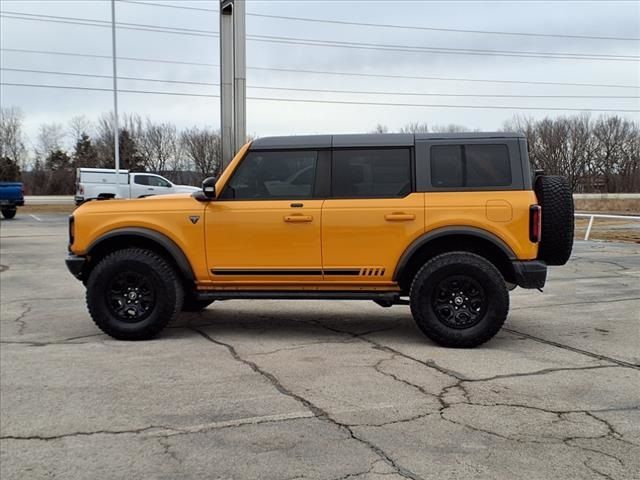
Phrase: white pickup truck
(101, 183)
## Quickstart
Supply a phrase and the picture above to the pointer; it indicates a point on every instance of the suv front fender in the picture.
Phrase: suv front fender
(148, 237)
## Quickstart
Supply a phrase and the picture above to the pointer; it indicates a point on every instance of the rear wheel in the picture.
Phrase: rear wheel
(459, 299)
(9, 212)
(132, 294)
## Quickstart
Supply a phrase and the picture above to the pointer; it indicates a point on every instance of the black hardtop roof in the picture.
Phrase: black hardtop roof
(368, 139)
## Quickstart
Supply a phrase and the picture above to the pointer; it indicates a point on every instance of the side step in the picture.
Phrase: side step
(384, 297)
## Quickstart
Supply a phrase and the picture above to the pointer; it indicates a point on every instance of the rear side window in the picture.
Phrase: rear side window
(371, 173)
(273, 175)
(474, 165)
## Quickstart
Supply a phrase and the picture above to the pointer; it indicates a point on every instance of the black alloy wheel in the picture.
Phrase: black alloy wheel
(459, 301)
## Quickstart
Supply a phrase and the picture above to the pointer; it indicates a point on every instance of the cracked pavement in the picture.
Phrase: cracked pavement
(318, 390)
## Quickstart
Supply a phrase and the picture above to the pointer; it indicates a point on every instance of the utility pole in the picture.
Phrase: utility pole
(232, 78)
(239, 75)
(226, 80)
(116, 128)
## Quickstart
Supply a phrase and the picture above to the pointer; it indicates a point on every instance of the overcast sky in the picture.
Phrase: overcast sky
(595, 18)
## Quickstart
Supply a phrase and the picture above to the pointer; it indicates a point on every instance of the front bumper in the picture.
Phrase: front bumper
(530, 274)
(76, 265)
(11, 203)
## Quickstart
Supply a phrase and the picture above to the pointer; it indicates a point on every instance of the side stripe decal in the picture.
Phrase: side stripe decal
(285, 271)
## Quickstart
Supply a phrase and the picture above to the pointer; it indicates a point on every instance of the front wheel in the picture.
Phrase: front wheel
(132, 294)
(459, 299)
(9, 212)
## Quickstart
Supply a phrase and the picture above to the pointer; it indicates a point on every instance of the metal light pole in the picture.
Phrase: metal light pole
(226, 81)
(116, 129)
(239, 75)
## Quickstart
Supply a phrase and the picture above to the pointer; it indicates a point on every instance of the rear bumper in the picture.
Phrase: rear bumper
(75, 265)
(530, 274)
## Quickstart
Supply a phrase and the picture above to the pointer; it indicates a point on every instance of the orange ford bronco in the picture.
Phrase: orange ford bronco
(444, 223)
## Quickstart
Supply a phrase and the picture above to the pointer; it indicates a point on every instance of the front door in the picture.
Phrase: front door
(264, 229)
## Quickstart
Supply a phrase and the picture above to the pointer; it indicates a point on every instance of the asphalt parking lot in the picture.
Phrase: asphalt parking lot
(310, 389)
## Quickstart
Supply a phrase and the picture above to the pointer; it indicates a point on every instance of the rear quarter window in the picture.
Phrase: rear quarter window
(473, 165)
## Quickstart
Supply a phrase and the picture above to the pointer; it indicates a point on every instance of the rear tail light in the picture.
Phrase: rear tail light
(535, 223)
(71, 230)
(81, 190)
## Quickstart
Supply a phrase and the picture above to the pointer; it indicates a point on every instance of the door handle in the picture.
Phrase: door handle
(150, 189)
(399, 217)
(298, 218)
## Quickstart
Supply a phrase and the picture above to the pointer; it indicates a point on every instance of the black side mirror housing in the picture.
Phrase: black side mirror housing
(208, 192)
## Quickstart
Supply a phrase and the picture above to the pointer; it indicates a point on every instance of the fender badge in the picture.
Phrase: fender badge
(194, 219)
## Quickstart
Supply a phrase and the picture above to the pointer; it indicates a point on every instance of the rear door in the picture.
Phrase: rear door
(372, 215)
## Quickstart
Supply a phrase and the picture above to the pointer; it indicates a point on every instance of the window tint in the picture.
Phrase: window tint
(141, 179)
(371, 173)
(473, 165)
(272, 175)
(446, 166)
(158, 181)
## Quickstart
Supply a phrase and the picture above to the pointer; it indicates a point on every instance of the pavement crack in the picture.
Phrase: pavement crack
(85, 434)
(20, 318)
(548, 305)
(573, 349)
(164, 443)
(543, 372)
(317, 411)
(596, 471)
(377, 367)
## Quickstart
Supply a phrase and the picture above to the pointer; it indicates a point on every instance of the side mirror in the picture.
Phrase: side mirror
(208, 191)
(209, 187)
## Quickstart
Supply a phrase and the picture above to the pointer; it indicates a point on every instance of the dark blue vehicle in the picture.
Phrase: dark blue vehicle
(11, 197)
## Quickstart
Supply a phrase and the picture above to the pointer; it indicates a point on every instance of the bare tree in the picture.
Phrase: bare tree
(380, 128)
(415, 127)
(451, 128)
(50, 139)
(78, 126)
(158, 145)
(12, 141)
(203, 148)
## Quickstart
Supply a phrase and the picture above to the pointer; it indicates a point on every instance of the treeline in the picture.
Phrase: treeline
(596, 154)
(48, 167)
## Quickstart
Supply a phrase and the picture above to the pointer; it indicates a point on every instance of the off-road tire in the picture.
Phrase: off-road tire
(426, 292)
(554, 195)
(9, 213)
(161, 279)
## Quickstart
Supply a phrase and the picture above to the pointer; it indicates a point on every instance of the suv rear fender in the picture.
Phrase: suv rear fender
(457, 238)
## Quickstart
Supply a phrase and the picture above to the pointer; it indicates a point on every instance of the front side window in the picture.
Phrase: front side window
(371, 173)
(158, 182)
(273, 175)
(474, 165)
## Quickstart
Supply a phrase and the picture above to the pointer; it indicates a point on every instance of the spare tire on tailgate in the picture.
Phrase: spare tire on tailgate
(554, 195)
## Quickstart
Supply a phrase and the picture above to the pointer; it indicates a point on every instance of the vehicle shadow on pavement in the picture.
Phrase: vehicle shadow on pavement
(298, 322)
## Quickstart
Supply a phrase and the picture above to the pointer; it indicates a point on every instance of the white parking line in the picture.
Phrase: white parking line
(33, 216)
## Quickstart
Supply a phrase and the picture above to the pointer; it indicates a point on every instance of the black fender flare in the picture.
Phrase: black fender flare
(165, 242)
(447, 231)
